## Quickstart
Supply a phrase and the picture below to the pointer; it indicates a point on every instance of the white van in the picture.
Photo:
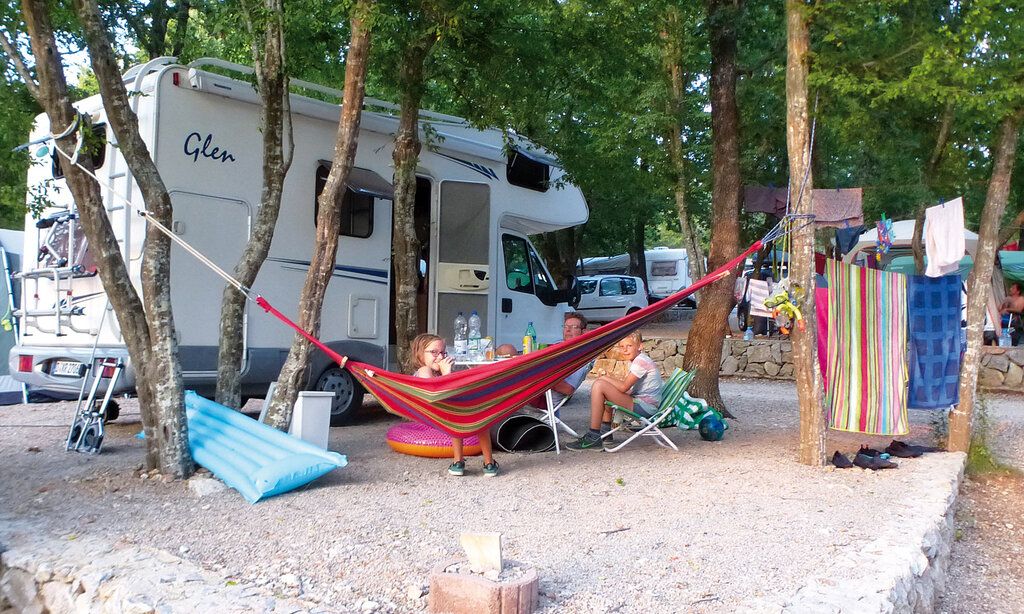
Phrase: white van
(478, 202)
(668, 270)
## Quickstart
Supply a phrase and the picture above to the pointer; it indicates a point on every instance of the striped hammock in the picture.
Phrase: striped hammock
(468, 402)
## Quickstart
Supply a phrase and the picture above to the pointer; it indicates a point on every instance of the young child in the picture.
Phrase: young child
(639, 392)
(431, 360)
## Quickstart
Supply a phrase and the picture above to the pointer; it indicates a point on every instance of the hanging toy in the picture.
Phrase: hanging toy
(884, 241)
(783, 303)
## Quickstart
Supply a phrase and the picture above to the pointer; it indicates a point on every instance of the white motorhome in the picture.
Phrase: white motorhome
(478, 201)
(668, 269)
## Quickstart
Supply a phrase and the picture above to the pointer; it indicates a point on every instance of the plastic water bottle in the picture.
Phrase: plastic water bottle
(461, 339)
(1005, 340)
(474, 335)
(532, 333)
(748, 335)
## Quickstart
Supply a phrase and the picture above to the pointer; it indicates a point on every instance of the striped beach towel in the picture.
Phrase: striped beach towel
(866, 391)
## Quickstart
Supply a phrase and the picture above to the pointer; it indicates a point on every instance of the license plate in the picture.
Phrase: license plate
(67, 368)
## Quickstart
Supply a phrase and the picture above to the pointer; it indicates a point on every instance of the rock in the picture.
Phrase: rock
(990, 378)
(1014, 376)
(657, 355)
(776, 353)
(754, 369)
(369, 606)
(730, 365)
(19, 589)
(290, 580)
(202, 486)
(483, 550)
(413, 593)
(787, 370)
(759, 353)
(136, 604)
(1016, 356)
(999, 362)
(771, 368)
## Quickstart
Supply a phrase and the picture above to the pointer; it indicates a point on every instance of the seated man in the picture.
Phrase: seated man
(573, 326)
(1014, 303)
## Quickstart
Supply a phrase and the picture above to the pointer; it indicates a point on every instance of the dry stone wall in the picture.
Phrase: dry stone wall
(1002, 369)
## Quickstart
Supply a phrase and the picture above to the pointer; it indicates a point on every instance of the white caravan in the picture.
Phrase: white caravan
(668, 269)
(478, 200)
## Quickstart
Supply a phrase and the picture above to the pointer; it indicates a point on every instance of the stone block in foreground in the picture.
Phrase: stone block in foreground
(462, 593)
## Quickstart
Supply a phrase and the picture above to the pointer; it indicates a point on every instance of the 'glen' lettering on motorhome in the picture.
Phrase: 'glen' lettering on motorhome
(216, 153)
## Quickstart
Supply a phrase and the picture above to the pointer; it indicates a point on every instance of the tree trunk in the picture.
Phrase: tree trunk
(560, 251)
(103, 246)
(710, 324)
(406, 245)
(805, 346)
(275, 125)
(672, 61)
(980, 279)
(162, 371)
(181, 26)
(637, 257)
(328, 223)
(917, 242)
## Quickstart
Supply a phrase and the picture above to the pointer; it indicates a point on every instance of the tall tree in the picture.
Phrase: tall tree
(422, 28)
(265, 23)
(801, 181)
(672, 60)
(151, 21)
(704, 344)
(328, 221)
(147, 325)
(979, 281)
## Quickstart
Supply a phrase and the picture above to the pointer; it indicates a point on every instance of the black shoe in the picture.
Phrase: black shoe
(903, 450)
(839, 460)
(873, 462)
(866, 451)
(589, 441)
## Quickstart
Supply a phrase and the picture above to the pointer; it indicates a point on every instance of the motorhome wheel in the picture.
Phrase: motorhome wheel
(348, 395)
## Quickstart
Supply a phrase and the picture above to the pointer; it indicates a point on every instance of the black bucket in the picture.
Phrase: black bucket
(523, 433)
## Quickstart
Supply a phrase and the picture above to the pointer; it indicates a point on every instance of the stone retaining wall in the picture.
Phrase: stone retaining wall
(1002, 369)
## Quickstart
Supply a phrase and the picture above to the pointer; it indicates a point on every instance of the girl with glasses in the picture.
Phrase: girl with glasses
(432, 360)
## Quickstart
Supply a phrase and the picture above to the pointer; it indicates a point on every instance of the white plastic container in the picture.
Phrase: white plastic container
(311, 420)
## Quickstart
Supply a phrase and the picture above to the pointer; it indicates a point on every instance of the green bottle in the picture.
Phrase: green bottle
(532, 333)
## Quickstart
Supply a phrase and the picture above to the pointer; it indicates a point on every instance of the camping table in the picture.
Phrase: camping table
(465, 362)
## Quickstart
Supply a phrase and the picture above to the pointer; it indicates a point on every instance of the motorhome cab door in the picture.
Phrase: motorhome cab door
(525, 290)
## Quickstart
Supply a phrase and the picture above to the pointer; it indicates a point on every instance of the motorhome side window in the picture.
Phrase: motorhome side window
(526, 173)
(517, 264)
(524, 271)
(95, 147)
(665, 268)
(356, 209)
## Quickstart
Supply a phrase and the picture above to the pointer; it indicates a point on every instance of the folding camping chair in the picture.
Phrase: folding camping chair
(650, 426)
(553, 418)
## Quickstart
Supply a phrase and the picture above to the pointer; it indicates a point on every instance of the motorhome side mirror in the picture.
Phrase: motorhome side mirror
(570, 295)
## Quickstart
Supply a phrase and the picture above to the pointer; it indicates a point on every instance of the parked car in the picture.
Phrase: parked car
(607, 297)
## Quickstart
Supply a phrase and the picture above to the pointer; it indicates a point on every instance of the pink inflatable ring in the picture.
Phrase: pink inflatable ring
(422, 440)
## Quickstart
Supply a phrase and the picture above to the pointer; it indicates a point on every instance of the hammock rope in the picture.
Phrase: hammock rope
(468, 402)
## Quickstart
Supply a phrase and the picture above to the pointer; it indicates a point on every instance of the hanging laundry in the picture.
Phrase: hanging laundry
(934, 339)
(821, 315)
(847, 237)
(761, 199)
(866, 389)
(757, 293)
(944, 238)
(839, 208)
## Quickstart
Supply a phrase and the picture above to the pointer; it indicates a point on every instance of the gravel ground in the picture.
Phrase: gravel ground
(987, 570)
(702, 530)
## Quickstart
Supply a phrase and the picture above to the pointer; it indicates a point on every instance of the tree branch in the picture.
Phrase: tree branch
(19, 64)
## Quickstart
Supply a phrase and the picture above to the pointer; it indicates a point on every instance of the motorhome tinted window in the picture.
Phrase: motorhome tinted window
(526, 173)
(95, 147)
(611, 286)
(517, 264)
(356, 209)
(665, 268)
(628, 285)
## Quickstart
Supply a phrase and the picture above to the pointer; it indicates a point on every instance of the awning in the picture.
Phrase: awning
(365, 181)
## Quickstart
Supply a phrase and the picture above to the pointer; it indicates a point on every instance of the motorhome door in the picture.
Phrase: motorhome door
(462, 243)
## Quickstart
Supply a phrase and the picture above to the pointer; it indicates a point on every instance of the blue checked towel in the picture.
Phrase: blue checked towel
(934, 341)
